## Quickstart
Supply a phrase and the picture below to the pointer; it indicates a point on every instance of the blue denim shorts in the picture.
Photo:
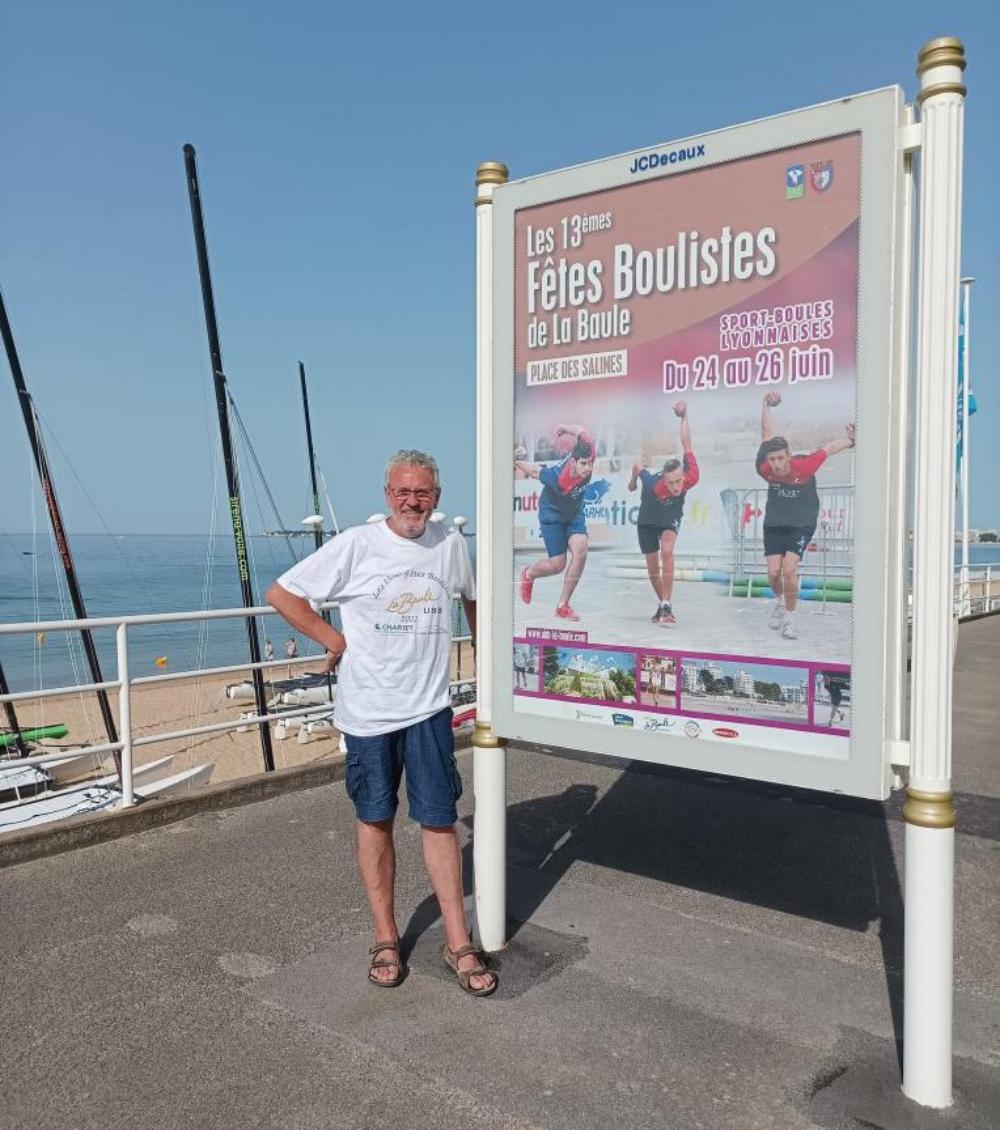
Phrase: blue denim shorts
(426, 750)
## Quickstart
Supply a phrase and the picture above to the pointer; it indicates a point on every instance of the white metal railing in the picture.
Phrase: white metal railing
(123, 684)
(974, 588)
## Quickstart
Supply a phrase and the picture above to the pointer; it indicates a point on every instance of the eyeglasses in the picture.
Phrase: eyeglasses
(401, 494)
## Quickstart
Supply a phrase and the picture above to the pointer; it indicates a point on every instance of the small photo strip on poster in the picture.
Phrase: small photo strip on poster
(526, 673)
(746, 689)
(591, 674)
(831, 699)
(657, 687)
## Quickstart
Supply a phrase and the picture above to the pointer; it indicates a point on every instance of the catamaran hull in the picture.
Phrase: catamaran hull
(102, 795)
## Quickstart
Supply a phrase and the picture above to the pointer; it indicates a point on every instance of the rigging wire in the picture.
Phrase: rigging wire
(208, 577)
(212, 445)
(329, 504)
(74, 645)
(256, 466)
(36, 651)
(260, 472)
(97, 510)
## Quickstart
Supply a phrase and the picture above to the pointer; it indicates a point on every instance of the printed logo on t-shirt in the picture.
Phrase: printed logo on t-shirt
(417, 609)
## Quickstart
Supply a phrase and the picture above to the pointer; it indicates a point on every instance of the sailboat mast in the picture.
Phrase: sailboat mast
(31, 422)
(232, 480)
(12, 725)
(317, 530)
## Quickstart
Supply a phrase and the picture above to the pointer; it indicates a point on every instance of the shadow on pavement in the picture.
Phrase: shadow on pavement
(805, 854)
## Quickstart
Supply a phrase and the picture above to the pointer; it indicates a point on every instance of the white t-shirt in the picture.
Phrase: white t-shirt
(396, 598)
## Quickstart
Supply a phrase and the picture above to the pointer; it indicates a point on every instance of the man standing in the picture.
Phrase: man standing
(560, 515)
(791, 512)
(520, 667)
(833, 688)
(395, 582)
(661, 508)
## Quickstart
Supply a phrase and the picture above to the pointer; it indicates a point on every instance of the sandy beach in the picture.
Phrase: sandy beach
(170, 706)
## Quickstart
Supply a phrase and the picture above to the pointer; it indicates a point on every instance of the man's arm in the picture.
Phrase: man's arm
(637, 469)
(842, 444)
(298, 612)
(526, 468)
(681, 409)
(470, 615)
(771, 400)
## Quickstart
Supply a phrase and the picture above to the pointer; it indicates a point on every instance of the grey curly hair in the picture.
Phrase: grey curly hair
(410, 457)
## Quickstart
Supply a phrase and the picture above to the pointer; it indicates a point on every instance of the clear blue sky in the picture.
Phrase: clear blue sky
(337, 146)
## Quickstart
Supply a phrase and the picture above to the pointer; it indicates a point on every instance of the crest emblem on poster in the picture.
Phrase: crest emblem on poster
(821, 175)
(795, 181)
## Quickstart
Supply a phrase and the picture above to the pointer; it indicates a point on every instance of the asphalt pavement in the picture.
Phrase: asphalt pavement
(685, 951)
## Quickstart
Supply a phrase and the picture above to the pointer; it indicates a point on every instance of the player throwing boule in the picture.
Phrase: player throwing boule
(661, 508)
(560, 515)
(792, 511)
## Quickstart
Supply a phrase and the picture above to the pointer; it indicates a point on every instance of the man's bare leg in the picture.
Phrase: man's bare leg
(774, 578)
(668, 539)
(653, 569)
(790, 587)
(377, 864)
(578, 546)
(547, 567)
(443, 861)
(790, 580)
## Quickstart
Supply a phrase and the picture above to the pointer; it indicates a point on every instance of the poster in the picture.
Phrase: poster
(698, 522)
(685, 380)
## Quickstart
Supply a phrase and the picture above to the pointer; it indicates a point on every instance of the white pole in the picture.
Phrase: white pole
(125, 714)
(899, 726)
(929, 811)
(966, 451)
(489, 756)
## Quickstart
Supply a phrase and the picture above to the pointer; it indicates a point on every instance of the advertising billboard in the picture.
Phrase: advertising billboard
(693, 373)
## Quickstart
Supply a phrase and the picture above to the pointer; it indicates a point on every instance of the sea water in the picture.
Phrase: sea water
(134, 574)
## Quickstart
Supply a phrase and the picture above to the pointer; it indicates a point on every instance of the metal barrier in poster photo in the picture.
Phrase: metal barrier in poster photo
(696, 508)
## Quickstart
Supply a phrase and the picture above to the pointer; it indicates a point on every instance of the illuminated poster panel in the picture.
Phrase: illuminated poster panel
(694, 377)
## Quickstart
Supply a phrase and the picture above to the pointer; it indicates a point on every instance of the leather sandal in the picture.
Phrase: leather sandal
(386, 963)
(452, 958)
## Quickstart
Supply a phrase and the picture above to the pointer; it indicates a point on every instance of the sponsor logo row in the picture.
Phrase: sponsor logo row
(691, 728)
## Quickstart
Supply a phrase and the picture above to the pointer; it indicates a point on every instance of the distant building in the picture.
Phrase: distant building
(796, 693)
(689, 678)
(743, 684)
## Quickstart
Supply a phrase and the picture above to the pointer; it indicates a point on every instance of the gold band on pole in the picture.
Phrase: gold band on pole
(490, 172)
(942, 88)
(929, 810)
(946, 51)
(484, 738)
